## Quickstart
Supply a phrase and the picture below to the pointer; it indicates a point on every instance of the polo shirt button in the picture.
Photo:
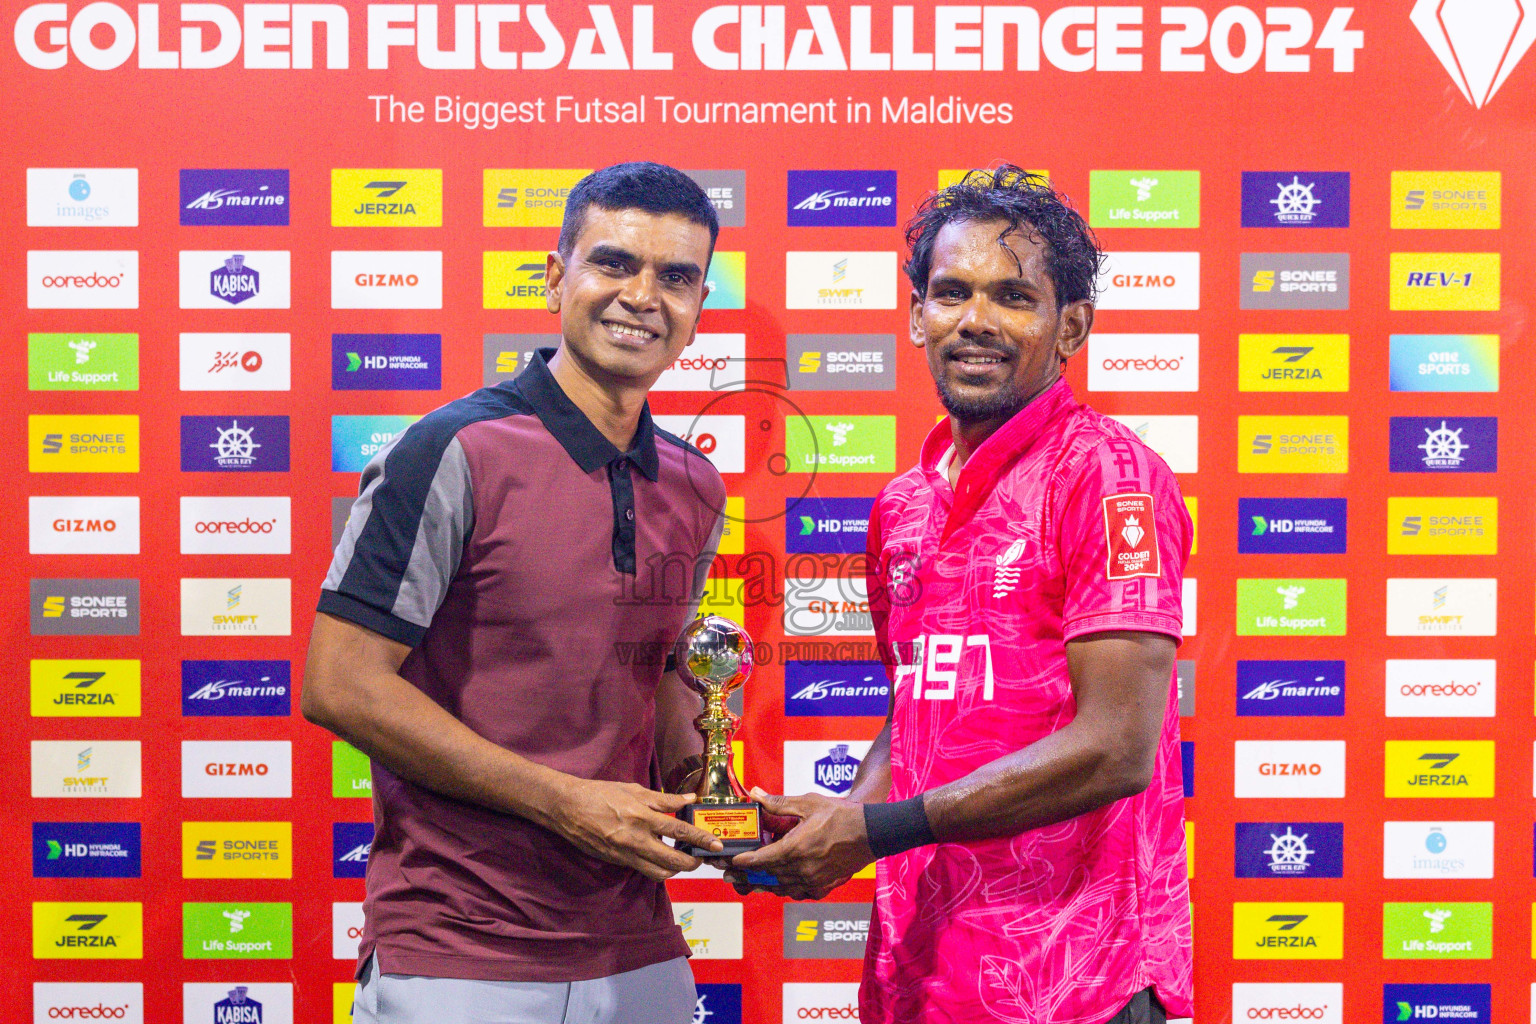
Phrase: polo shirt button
(629, 514)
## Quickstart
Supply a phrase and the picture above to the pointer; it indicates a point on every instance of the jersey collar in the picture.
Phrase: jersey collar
(582, 441)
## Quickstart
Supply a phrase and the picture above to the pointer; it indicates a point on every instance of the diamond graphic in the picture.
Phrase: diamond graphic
(1478, 42)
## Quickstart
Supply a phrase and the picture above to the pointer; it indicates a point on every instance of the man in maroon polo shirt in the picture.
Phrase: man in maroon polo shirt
(488, 634)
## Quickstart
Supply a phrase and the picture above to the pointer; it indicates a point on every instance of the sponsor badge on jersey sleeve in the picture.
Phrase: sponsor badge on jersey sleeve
(1131, 536)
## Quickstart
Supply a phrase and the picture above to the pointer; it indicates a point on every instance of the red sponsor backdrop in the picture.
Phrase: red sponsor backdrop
(1397, 109)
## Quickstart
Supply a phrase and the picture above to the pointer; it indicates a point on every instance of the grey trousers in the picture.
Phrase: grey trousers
(659, 994)
(1142, 1009)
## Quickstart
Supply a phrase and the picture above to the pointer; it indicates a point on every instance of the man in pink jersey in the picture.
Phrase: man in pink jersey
(1024, 800)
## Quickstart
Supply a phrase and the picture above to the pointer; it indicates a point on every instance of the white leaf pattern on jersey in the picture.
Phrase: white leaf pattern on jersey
(1007, 576)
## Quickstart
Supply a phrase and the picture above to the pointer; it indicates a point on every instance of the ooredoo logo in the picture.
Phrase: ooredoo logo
(101, 1011)
(120, 1002)
(1297, 1012)
(714, 362)
(804, 1001)
(61, 279)
(848, 1011)
(1144, 362)
(240, 526)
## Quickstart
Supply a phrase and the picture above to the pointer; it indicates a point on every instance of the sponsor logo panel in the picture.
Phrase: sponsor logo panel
(727, 191)
(219, 279)
(392, 279)
(86, 768)
(246, 525)
(1174, 439)
(1293, 362)
(840, 444)
(236, 849)
(717, 1004)
(236, 606)
(87, 931)
(82, 197)
(60, 607)
(82, 279)
(1274, 526)
(841, 199)
(386, 362)
(1442, 526)
(230, 197)
(1294, 280)
(1290, 688)
(1144, 199)
(1287, 931)
(1459, 200)
(235, 362)
(722, 439)
(726, 280)
(714, 362)
(835, 688)
(355, 440)
(712, 930)
(1187, 766)
(83, 444)
(346, 930)
(229, 688)
(350, 843)
(237, 931)
(1144, 362)
(83, 362)
(1295, 199)
(98, 525)
(107, 688)
(1439, 768)
(234, 444)
(1444, 281)
(1442, 607)
(825, 931)
(1437, 849)
(733, 532)
(839, 280)
(1150, 280)
(526, 197)
(820, 1001)
(1437, 931)
(841, 362)
(1442, 688)
(1313, 1002)
(504, 355)
(1290, 849)
(1444, 362)
(1292, 607)
(1184, 673)
(96, 849)
(822, 766)
(1298, 769)
(1444, 444)
(119, 1002)
(826, 525)
(1470, 1004)
(1190, 602)
(351, 771)
(1293, 444)
(248, 768)
(246, 1003)
(514, 279)
(386, 197)
(829, 607)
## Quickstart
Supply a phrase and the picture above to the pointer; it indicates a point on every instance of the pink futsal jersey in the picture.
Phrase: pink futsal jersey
(1064, 523)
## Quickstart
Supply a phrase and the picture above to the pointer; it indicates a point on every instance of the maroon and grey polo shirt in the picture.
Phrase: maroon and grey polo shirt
(536, 571)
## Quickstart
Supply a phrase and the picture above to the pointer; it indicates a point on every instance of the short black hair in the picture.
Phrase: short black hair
(638, 185)
(1028, 203)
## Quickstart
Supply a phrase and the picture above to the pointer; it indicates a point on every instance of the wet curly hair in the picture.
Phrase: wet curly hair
(1028, 203)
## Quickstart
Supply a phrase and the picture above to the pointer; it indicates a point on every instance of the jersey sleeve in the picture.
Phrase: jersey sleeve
(1123, 534)
(405, 535)
(876, 588)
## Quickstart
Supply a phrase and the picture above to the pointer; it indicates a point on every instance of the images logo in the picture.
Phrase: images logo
(84, 607)
(727, 190)
(1442, 607)
(230, 197)
(1290, 849)
(1437, 931)
(513, 280)
(252, 607)
(1469, 1003)
(842, 199)
(237, 931)
(67, 849)
(1444, 849)
(63, 279)
(1445, 362)
(234, 362)
(350, 842)
(392, 279)
(1459, 200)
(819, 931)
(386, 362)
(1466, 688)
(357, 439)
(1477, 46)
(826, 525)
(528, 197)
(1150, 280)
(219, 279)
(83, 526)
(1442, 526)
(1293, 362)
(83, 362)
(835, 689)
(227, 688)
(1290, 688)
(1295, 199)
(83, 444)
(1294, 280)
(1271, 526)
(841, 362)
(1444, 444)
(96, 197)
(1293, 444)
(236, 849)
(722, 439)
(1287, 931)
(840, 280)
(1445, 281)
(1144, 362)
(106, 688)
(1144, 199)
(1439, 768)
(220, 444)
(1291, 607)
(391, 198)
(87, 931)
(840, 444)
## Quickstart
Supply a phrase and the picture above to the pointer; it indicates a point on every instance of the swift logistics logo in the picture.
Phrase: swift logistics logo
(82, 362)
(1289, 849)
(841, 362)
(229, 688)
(1295, 199)
(513, 279)
(713, 931)
(1273, 526)
(1442, 526)
(386, 279)
(826, 931)
(1288, 769)
(826, 525)
(1444, 444)
(1437, 849)
(1423, 281)
(386, 362)
(237, 931)
(65, 607)
(820, 199)
(727, 192)
(350, 842)
(78, 279)
(1144, 362)
(87, 931)
(234, 197)
(234, 444)
(1149, 280)
(1292, 607)
(526, 197)
(1444, 362)
(1144, 199)
(1442, 607)
(388, 197)
(236, 606)
(1290, 688)
(1466, 1004)
(236, 849)
(1439, 768)
(1456, 200)
(1442, 688)
(840, 444)
(355, 440)
(95, 849)
(220, 279)
(86, 768)
(1293, 362)
(1287, 931)
(835, 689)
(82, 197)
(83, 525)
(839, 280)
(1294, 280)
(82, 444)
(1293, 444)
(1437, 931)
(95, 688)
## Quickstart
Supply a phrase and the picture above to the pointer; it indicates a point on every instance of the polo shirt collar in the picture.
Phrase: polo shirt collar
(582, 441)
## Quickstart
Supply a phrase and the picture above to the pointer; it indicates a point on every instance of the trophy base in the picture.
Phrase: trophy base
(739, 826)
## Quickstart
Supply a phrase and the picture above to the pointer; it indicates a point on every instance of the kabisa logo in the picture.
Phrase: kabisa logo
(1288, 931)
(386, 362)
(1293, 362)
(826, 525)
(386, 197)
(1290, 688)
(250, 279)
(1444, 444)
(835, 688)
(1292, 849)
(1465, 1004)
(237, 1008)
(1478, 45)
(513, 280)
(842, 198)
(727, 192)
(234, 282)
(717, 1004)
(226, 688)
(108, 849)
(1431, 768)
(350, 842)
(1458, 200)
(1316, 526)
(1294, 280)
(357, 439)
(1445, 362)
(88, 931)
(82, 197)
(1295, 199)
(1144, 199)
(230, 197)
(836, 770)
(234, 444)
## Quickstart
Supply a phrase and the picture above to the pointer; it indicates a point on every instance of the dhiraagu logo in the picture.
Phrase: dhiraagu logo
(1287, 931)
(727, 280)
(1445, 362)
(351, 771)
(840, 444)
(1291, 607)
(1439, 768)
(237, 931)
(357, 439)
(1437, 931)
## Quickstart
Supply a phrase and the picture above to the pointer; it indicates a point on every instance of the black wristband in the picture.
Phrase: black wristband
(671, 663)
(898, 827)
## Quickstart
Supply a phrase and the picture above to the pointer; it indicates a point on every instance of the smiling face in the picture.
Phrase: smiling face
(990, 321)
(629, 294)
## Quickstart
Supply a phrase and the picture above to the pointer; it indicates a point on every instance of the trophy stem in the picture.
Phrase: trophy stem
(718, 783)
